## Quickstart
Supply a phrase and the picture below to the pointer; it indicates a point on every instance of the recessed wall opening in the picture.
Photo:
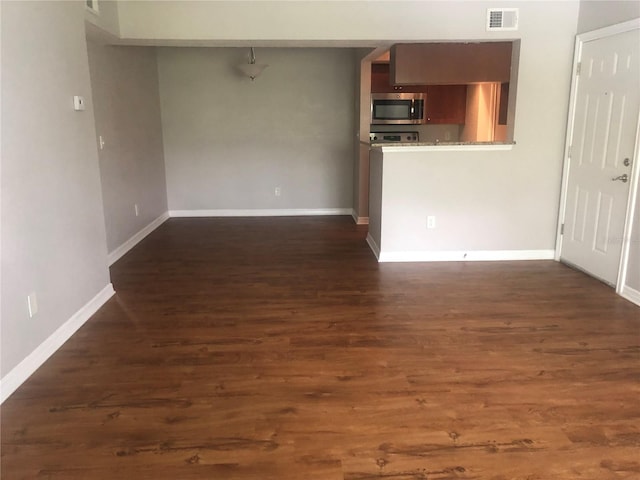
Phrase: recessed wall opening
(469, 88)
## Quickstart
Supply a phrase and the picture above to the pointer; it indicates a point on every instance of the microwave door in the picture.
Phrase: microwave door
(393, 112)
(393, 109)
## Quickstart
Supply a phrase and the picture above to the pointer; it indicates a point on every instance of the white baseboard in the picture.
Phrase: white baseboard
(119, 252)
(260, 212)
(359, 220)
(466, 256)
(373, 246)
(631, 294)
(16, 377)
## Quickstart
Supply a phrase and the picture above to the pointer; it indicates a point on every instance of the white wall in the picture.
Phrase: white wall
(53, 236)
(126, 101)
(596, 14)
(229, 141)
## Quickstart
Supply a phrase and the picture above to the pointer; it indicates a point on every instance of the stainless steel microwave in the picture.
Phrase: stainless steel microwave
(397, 108)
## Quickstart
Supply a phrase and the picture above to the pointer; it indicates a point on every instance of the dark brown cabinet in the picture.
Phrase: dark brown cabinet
(446, 104)
(450, 63)
(380, 80)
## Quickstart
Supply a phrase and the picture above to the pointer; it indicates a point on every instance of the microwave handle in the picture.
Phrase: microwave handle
(417, 109)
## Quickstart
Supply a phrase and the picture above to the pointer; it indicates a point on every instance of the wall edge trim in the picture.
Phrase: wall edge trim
(120, 251)
(630, 294)
(359, 220)
(259, 212)
(373, 246)
(21, 372)
(466, 256)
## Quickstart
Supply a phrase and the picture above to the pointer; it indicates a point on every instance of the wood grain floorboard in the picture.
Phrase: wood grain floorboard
(278, 348)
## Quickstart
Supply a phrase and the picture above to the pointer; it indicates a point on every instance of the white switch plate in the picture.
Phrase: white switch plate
(431, 221)
(78, 102)
(101, 141)
(32, 303)
(278, 191)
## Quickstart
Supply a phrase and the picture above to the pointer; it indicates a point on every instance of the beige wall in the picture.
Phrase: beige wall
(127, 115)
(356, 22)
(230, 141)
(53, 236)
(502, 200)
(480, 199)
(596, 14)
(106, 18)
(376, 197)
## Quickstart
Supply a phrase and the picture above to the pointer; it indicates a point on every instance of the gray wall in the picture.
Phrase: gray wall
(53, 236)
(362, 119)
(126, 100)
(229, 141)
(597, 14)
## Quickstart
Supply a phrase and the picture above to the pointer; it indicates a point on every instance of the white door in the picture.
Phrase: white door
(607, 102)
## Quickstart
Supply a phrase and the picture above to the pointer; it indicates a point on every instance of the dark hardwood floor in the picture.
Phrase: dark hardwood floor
(277, 348)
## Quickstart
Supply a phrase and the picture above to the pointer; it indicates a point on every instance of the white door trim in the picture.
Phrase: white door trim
(631, 206)
(635, 172)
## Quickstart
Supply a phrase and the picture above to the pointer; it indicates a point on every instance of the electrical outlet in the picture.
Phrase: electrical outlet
(32, 304)
(135, 209)
(431, 221)
(277, 191)
(78, 103)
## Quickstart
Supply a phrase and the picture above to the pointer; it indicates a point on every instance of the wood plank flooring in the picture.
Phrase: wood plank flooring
(278, 348)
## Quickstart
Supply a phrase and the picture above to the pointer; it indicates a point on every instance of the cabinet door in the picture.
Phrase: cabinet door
(380, 80)
(446, 104)
(450, 63)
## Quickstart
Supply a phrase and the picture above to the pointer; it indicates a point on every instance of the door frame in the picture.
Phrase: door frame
(581, 39)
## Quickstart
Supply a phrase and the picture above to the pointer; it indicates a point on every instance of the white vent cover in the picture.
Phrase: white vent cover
(502, 19)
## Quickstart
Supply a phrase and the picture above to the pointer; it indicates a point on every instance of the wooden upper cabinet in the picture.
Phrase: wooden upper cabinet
(380, 82)
(450, 63)
(446, 104)
(380, 78)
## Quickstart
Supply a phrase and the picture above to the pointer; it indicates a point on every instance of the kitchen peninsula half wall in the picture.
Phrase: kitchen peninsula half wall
(446, 203)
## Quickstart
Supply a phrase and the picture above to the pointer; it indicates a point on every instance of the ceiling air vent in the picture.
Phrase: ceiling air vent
(502, 19)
